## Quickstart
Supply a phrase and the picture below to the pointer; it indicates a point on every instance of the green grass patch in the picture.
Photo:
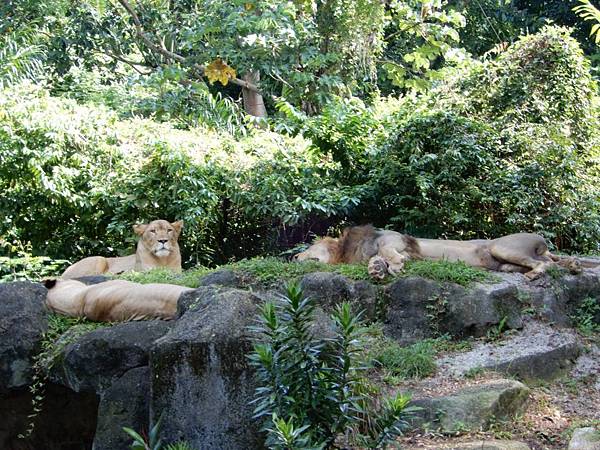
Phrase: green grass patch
(189, 278)
(447, 271)
(414, 361)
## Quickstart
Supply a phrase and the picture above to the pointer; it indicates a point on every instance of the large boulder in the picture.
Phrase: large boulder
(585, 439)
(23, 321)
(537, 352)
(125, 403)
(418, 308)
(93, 361)
(473, 407)
(202, 382)
(330, 289)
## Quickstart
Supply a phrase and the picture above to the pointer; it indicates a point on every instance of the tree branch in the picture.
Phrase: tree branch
(171, 55)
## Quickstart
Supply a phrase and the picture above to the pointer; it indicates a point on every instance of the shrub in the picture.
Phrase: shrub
(309, 386)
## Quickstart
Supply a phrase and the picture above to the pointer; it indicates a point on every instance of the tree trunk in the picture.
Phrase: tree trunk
(253, 101)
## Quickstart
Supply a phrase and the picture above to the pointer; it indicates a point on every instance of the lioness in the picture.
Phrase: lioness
(157, 247)
(114, 300)
(386, 251)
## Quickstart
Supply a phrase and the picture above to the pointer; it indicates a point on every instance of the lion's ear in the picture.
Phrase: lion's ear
(139, 228)
(178, 226)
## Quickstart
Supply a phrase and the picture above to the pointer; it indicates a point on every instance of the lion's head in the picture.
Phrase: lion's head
(324, 250)
(159, 237)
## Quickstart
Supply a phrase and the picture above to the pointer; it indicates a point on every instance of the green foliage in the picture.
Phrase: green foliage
(27, 267)
(587, 11)
(414, 361)
(503, 146)
(19, 60)
(447, 272)
(587, 316)
(309, 385)
(153, 441)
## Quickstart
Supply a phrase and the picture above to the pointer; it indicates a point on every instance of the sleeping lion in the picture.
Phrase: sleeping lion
(157, 247)
(114, 300)
(386, 252)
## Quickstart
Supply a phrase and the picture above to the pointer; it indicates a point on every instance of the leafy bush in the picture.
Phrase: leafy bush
(504, 146)
(309, 385)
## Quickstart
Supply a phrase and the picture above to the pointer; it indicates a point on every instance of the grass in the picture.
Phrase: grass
(584, 318)
(272, 270)
(414, 361)
(447, 272)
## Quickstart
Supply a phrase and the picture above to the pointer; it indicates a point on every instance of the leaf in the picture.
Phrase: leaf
(219, 71)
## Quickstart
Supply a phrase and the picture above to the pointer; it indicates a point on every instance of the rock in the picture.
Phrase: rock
(93, 279)
(94, 360)
(537, 352)
(330, 289)
(419, 308)
(194, 299)
(226, 278)
(585, 439)
(407, 319)
(202, 381)
(491, 444)
(125, 403)
(22, 323)
(473, 407)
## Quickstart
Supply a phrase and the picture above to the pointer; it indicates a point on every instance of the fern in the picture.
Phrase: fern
(19, 60)
(587, 11)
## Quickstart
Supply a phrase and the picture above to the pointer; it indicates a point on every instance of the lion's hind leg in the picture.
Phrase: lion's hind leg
(522, 257)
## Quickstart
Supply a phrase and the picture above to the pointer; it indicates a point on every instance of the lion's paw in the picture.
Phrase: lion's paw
(378, 268)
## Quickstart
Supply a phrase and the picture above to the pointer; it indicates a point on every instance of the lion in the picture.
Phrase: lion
(157, 247)
(387, 251)
(114, 300)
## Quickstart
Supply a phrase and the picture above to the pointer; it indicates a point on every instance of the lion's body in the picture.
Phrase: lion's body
(157, 247)
(386, 251)
(114, 300)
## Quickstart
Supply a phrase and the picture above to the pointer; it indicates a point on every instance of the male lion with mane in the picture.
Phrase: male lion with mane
(157, 247)
(386, 252)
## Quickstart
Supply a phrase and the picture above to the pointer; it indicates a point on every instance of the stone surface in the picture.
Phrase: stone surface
(491, 444)
(473, 407)
(418, 308)
(22, 323)
(93, 279)
(330, 289)
(585, 439)
(537, 352)
(125, 403)
(96, 359)
(227, 278)
(202, 382)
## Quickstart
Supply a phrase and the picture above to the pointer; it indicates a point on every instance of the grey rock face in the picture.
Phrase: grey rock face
(22, 323)
(419, 308)
(472, 408)
(202, 382)
(93, 361)
(330, 289)
(491, 444)
(226, 278)
(585, 439)
(537, 352)
(125, 403)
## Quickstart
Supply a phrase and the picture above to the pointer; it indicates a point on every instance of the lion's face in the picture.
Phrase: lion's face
(159, 237)
(319, 251)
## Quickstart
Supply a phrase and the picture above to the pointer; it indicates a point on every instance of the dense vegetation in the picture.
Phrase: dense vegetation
(100, 129)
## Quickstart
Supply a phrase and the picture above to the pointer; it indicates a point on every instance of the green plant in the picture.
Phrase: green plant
(447, 271)
(474, 372)
(153, 441)
(587, 11)
(414, 361)
(495, 333)
(586, 317)
(309, 385)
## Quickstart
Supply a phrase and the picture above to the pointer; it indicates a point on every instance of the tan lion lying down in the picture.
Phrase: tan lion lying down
(386, 251)
(157, 247)
(113, 301)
